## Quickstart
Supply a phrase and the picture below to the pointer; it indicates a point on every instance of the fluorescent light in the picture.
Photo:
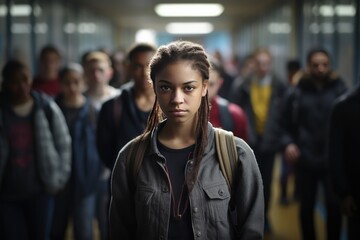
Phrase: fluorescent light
(279, 27)
(345, 10)
(146, 35)
(189, 10)
(339, 10)
(189, 28)
(326, 11)
(20, 10)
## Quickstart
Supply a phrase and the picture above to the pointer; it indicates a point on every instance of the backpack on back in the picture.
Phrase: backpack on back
(225, 148)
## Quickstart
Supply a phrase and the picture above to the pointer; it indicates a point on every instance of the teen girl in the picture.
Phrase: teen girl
(180, 191)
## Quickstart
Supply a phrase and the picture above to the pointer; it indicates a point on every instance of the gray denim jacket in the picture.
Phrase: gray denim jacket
(146, 214)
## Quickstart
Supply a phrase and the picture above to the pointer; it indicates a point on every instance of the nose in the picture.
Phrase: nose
(177, 97)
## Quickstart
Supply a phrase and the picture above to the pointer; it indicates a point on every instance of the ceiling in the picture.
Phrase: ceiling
(136, 14)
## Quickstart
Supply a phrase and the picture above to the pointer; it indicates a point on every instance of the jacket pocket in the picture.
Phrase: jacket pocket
(143, 201)
(217, 198)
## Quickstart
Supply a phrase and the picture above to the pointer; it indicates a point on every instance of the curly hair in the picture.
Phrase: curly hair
(196, 55)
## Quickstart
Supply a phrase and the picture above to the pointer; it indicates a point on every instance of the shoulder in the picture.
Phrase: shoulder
(243, 148)
(236, 110)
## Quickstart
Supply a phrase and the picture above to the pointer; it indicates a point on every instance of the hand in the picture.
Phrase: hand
(348, 206)
(292, 153)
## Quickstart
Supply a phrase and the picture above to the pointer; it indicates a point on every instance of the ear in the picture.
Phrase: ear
(205, 87)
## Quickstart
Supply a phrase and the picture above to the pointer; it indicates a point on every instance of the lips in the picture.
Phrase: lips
(177, 112)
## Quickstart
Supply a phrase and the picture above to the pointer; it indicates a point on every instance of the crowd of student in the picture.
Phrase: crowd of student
(61, 132)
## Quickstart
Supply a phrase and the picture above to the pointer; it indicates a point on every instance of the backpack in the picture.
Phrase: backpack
(225, 148)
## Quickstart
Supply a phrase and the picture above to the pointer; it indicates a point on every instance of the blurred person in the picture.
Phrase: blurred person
(124, 117)
(118, 64)
(78, 199)
(224, 114)
(305, 123)
(247, 68)
(180, 191)
(261, 96)
(98, 72)
(226, 76)
(344, 139)
(35, 156)
(293, 68)
(47, 80)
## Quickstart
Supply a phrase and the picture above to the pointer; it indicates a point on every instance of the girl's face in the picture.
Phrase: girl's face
(72, 84)
(19, 86)
(179, 89)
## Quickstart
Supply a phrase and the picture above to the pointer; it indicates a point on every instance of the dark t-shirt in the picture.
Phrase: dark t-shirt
(71, 114)
(176, 159)
(21, 178)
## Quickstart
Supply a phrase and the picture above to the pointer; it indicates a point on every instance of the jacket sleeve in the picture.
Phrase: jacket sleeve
(249, 195)
(62, 141)
(287, 119)
(106, 134)
(122, 210)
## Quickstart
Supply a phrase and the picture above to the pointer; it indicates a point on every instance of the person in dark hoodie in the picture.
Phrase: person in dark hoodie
(35, 156)
(77, 200)
(344, 142)
(305, 122)
(124, 117)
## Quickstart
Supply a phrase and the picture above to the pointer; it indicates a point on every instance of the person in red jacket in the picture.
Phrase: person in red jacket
(224, 114)
(47, 80)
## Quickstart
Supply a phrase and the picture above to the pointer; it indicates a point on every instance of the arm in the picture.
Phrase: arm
(62, 141)
(122, 210)
(288, 126)
(249, 195)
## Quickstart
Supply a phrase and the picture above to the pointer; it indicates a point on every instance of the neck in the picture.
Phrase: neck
(98, 91)
(144, 98)
(74, 101)
(48, 75)
(178, 136)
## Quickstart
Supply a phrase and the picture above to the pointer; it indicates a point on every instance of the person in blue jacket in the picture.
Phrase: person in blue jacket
(77, 200)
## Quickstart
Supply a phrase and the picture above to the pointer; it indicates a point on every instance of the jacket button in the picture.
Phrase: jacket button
(195, 210)
(221, 192)
(198, 233)
(165, 189)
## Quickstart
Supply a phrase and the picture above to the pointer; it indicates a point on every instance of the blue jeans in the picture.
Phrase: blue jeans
(25, 219)
(80, 208)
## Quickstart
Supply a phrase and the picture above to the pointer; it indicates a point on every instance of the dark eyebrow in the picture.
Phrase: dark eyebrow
(188, 82)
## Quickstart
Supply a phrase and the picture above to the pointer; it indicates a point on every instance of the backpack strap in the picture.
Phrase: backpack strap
(227, 154)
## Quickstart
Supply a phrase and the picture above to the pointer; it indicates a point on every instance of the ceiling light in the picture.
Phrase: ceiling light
(345, 10)
(340, 10)
(20, 10)
(146, 35)
(189, 28)
(189, 10)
